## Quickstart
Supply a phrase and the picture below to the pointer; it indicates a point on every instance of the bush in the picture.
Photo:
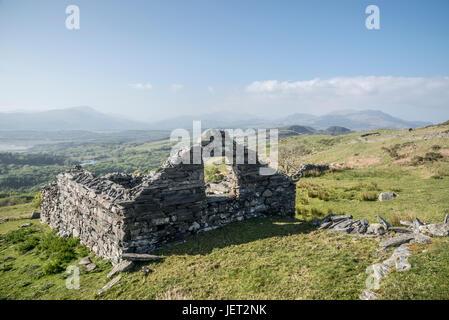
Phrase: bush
(28, 244)
(58, 251)
(369, 196)
(428, 157)
(322, 195)
(18, 236)
(397, 217)
(213, 174)
(37, 200)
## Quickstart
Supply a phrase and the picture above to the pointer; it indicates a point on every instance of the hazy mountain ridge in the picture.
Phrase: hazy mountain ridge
(88, 119)
(295, 130)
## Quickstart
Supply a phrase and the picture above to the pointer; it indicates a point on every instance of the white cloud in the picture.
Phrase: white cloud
(383, 93)
(176, 86)
(141, 86)
(211, 89)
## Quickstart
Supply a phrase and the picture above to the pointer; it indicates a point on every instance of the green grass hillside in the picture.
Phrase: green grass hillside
(272, 258)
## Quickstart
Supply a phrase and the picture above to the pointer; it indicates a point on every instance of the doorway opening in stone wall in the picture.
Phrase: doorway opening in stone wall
(219, 177)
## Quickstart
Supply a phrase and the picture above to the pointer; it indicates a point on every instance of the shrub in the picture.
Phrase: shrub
(397, 217)
(428, 157)
(29, 244)
(312, 193)
(18, 236)
(37, 200)
(58, 251)
(315, 213)
(322, 195)
(213, 174)
(369, 196)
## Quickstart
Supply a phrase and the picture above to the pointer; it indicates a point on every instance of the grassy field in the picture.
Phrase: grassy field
(276, 258)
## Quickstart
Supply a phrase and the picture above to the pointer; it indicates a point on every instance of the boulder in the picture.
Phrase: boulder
(385, 196)
(2, 220)
(91, 267)
(35, 215)
(376, 228)
(123, 266)
(435, 229)
(85, 261)
(26, 225)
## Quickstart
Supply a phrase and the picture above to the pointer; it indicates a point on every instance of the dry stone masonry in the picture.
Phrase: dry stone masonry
(120, 214)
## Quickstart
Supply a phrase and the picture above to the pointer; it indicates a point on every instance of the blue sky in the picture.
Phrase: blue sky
(151, 60)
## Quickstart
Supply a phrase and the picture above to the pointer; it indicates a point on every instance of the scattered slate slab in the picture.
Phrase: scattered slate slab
(435, 229)
(3, 220)
(416, 224)
(397, 241)
(140, 257)
(340, 217)
(406, 223)
(383, 222)
(85, 261)
(327, 218)
(421, 238)
(400, 230)
(91, 267)
(325, 225)
(446, 219)
(369, 295)
(35, 215)
(25, 225)
(121, 267)
(109, 285)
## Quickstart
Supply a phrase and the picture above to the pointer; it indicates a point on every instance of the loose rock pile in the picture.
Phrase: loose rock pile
(412, 232)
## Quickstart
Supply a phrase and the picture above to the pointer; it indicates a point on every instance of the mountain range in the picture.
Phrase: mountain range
(86, 118)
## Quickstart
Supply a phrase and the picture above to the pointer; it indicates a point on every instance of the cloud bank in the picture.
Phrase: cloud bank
(387, 93)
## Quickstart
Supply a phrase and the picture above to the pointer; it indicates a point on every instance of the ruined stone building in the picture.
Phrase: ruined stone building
(121, 213)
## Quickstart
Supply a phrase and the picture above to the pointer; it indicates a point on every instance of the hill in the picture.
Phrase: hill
(295, 130)
(89, 119)
(77, 118)
(274, 258)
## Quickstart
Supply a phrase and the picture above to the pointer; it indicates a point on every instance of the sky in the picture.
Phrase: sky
(151, 60)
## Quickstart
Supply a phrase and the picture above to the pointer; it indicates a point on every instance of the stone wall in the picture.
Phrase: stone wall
(121, 213)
